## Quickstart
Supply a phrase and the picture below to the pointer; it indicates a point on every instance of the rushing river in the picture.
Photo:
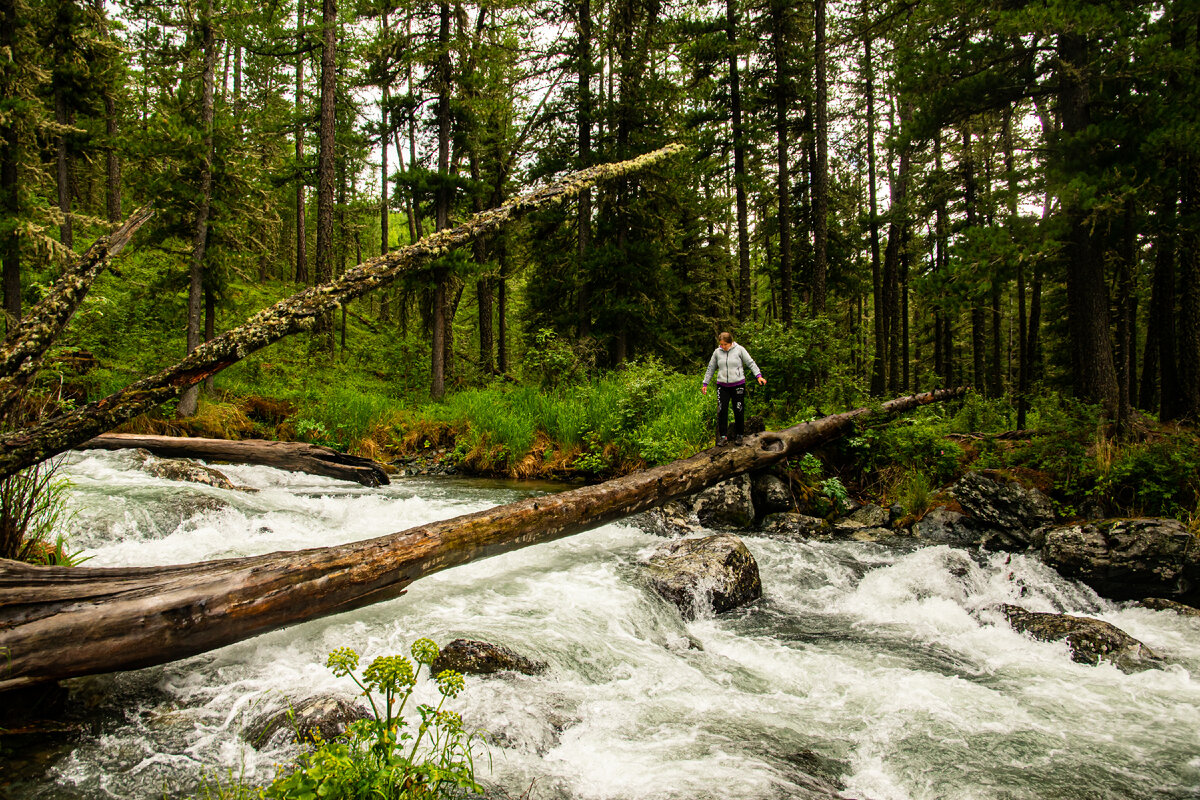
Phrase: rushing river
(879, 669)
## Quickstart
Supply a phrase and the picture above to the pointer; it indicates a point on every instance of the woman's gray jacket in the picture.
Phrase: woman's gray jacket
(728, 364)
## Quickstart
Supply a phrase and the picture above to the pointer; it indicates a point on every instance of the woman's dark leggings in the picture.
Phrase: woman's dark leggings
(736, 395)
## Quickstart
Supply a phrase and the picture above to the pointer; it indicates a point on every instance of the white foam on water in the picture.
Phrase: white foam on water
(886, 670)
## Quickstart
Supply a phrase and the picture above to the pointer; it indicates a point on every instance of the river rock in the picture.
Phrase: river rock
(182, 469)
(672, 519)
(1010, 513)
(715, 572)
(1091, 640)
(1162, 604)
(728, 504)
(870, 516)
(473, 657)
(770, 493)
(857, 531)
(945, 526)
(792, 525)
(319, 718)
(1128, 559)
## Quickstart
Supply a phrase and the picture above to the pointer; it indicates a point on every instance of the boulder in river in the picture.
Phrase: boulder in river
(1006, 512)
(473, 657)
(182, 469)
(671, 519)
(1163, 604)
(319, 718)
(728, 504)
(1091, 640)
(1128, 559)
(945, 526)
(770, 493)
(716, 572)
(792, 525)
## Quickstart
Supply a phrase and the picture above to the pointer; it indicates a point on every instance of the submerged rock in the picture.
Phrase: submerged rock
(715, 572)
(1007, 513)
(1128, 559)
(473, 657)
(1162, 604)
(318, 718)
(182, 469)
(1091, 640)
(791, 525)
(728, 504)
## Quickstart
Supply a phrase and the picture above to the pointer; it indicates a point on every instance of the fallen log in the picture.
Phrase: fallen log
(59, 622)
(294, 456)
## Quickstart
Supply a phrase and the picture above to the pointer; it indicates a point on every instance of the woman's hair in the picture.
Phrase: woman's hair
(725, 336)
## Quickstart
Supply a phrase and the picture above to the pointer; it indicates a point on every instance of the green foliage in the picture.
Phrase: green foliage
(805, 365)
(915, 493)
(34, 515)
(552, 360)
(386, 757)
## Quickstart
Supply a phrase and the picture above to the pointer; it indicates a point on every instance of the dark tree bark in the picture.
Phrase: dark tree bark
(1087, 293)
(879, 360)
(301, 227)
(112, 160)
(739, 161)
(63, 171)
(1162, 312)
(440, 355)
(821, 171)
(978, 339)
(10, 198)
(779, 40)
(584, 208)
(189, 399)
(59, 622)
(327, 160)
(897, 235)
(1010, 169)
(27, 446)
(1188, 348)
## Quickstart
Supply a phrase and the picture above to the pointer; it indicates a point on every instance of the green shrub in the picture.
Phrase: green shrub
(381, 757)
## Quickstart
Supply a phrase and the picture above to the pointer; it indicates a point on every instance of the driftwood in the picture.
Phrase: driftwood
(301, 311)
(58, 622)
(295, 456)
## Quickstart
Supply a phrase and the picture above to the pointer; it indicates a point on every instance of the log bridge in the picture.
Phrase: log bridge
(61, 622)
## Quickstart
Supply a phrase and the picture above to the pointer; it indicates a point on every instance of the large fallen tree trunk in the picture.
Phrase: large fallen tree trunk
(60, 622)
(301, 311)
(295, 456)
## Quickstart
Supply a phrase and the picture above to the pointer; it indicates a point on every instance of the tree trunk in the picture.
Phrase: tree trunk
(60, 622)
(440, 355)
(112, 160)
(779, 38)
(301, 227)
(294, 456)
(10, 195)
(739, 161)
(189, 399)
(821, 172)
(27, 446)
(878, 362)
(327, 162)
(63, 171)
(1162, 310)
(584, 207)
(1087, 294)
(1188, 348)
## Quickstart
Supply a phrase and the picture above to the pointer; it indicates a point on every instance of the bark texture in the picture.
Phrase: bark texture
(294, 456)
(59, 622)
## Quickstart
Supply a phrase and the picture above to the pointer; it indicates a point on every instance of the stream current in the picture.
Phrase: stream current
(880, 669)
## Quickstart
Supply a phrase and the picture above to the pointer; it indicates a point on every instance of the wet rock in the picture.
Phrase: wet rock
(1010, 512)
(1128, 559)
(944, 526)
(716, 572)
(770, 493)
(318, 718)
(870, 516)
(473, 657)
(1091, 640)
(1162, 604)
(856, 531)
(672, 519)
(728, 504)
(182, 469)
(791, 525)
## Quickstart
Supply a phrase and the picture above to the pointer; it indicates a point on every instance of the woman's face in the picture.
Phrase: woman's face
(725, 345)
